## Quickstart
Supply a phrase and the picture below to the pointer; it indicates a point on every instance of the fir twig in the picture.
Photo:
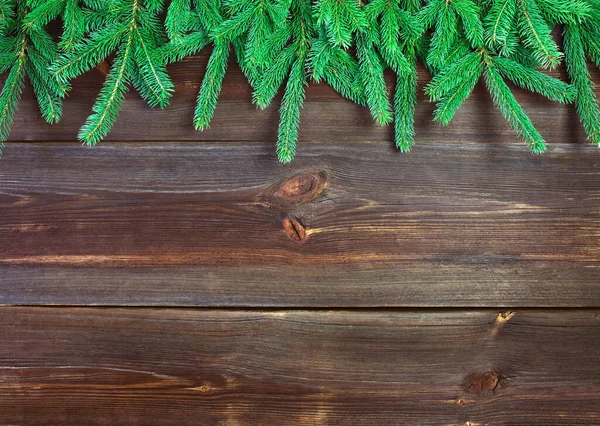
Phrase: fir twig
(130, 27)
(586, 99)
(26, 51)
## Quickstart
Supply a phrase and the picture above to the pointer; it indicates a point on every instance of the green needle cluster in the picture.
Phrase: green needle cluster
(26, 50)
(131, 30)
(283, 45)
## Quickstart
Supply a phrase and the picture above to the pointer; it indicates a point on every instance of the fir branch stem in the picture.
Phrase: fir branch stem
(100, 123)
(10, 96)
(211, 86)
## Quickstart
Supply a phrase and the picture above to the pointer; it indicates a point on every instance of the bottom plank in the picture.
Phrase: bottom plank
(94, 366)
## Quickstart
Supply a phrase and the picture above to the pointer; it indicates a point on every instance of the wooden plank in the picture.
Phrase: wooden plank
(326, 115)
(347, 224)
(146, 367)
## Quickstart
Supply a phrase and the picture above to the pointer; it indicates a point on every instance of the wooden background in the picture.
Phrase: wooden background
(174, 277)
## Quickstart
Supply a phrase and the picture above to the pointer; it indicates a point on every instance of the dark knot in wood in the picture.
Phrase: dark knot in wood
(487, 381)
(299, 189)
(294, 228)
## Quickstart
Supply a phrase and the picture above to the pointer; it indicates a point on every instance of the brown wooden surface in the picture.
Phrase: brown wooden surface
(152, 367)
(355, 286)
(448, 225)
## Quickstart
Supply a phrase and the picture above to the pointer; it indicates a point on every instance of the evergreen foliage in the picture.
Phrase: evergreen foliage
(131, 30)
(26, 50)
(282, 45)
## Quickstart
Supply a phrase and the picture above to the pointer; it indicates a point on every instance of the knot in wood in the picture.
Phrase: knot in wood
(294, 228)
(482, 382)
(299, 189)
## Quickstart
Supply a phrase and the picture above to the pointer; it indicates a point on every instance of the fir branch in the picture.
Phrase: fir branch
(346, 43)
(182, 47)
(371, 71)
(511, 110)
(273, 77)
(535, 81)
(337, 68)
(49, 101)
(586, 100)
(340, 19)
(444, 37)
(499, 21)
(136, 35)
(387, 19)
(451, 77)
(7, 15)
(42, 12)
(590, 38)
(87, 54)
(565, 11)
(469, 13)
(405, 101)
(27, 51)
(536, 34)
(73, 25)
(111, 98)
(290, 113)
(211, 86)
(178, 14)
(151, 71)
(453, 93)
(10, 96)
(251, 74)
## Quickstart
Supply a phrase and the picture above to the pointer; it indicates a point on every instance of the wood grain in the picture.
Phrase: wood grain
(469, 219)
(325, 116)
(148, 367)
(347, 224)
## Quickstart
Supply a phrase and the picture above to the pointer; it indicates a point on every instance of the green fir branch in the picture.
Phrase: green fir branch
(511, 110)
(289, 122)
(536, 34)
(405, 101)
(211, 86)
(137, 36)
(371, 72)
(586, 100)
(10, 97)
(26, 51)
(499, 22)
(111, 98)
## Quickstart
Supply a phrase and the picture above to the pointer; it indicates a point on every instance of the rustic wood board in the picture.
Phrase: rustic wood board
(160, 215)
(72, 366)
(209, 224)
(325, 116)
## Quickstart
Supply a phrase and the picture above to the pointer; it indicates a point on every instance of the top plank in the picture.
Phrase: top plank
(325, 116)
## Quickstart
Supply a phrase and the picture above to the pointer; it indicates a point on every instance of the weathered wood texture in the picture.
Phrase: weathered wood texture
(325, 116)
(149, 367)
(469, 219)
(212, 224)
